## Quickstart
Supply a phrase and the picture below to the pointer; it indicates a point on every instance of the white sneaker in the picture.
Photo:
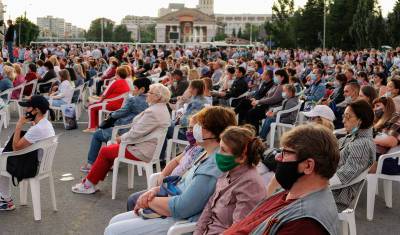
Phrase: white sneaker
(83, 189)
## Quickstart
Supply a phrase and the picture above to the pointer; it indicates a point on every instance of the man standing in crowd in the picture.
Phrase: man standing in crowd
(9, 39)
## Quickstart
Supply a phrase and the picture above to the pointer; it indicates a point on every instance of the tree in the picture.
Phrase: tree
(240, 35)
(121, 34)
(309, 25)
(394, 23)
(94, 32)
(234, 32)
(253, 29)
(148, 33)
(364, 19)
(282, 28)
(339, 20)
(220, 36)
(29, 31)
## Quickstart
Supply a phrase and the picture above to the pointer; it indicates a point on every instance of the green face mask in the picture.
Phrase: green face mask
(225, 162)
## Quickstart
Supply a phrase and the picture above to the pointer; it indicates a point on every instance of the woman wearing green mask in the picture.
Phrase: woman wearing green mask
(240, 188)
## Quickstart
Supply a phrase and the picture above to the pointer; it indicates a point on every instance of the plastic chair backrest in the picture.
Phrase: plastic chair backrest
(49, 147)
(32, 83)
(76, 95)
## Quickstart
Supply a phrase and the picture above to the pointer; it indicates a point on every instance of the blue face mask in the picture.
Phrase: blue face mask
(284, 95)
(276, 80)
(313, 77)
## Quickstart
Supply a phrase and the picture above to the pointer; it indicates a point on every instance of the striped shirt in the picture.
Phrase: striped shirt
(357, 153)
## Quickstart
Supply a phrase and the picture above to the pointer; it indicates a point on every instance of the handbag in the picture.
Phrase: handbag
(107, 123)
(22, 166)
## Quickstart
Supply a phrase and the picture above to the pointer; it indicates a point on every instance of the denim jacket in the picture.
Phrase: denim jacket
(133, 106)
(197, 185)
(315, 92)
(195, 105)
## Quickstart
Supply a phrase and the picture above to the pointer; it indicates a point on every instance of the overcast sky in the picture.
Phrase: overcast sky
(82, 12)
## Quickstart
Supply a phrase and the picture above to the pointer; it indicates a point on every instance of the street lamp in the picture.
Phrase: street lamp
(323, 44)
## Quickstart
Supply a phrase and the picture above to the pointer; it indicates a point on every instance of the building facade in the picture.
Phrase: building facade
(185, 26)
(133, 23)
(51, 27)
(234, 22)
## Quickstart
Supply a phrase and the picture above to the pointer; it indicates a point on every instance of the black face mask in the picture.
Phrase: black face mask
(30, 116)
(379, 113)
(286, 174)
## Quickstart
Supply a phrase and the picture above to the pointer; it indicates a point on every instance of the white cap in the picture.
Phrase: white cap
(321, 111)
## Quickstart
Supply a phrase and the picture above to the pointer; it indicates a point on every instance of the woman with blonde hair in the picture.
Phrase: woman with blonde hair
(193, 74)
(8, 77)
(53, 59)
(80, 76)
(18, 80)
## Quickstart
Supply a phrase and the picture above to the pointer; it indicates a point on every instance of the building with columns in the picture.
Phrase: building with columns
(186, 25)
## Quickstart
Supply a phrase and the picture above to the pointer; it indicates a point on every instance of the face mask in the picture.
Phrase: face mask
(348, 99)
(284, 95)
(198, 133)
(286, 174)
(313, 77)
(276, 80)
(225, 162)
(388, 94)
(190, 137)
(30, 116)
(378, 113)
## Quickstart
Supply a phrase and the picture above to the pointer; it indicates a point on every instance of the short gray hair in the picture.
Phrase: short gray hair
(162, 91)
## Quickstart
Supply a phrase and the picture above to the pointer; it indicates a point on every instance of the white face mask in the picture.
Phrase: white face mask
(198, 133)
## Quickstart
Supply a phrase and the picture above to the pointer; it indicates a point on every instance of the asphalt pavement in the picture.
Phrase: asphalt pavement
(90, 214)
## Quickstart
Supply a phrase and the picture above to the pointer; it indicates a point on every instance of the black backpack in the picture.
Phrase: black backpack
(22, 166)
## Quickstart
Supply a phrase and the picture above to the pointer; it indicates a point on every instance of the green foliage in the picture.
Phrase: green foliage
(394, 24)
(29, 31)
(148, 33)
(121, 34)
(94, 32)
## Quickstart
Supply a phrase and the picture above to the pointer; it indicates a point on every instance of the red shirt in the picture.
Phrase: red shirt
(268, 208)
(30, 76)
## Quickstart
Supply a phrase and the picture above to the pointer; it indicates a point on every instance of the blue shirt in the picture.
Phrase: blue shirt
(5, 84)
(196, 104)
(133, 106)
(197, 186)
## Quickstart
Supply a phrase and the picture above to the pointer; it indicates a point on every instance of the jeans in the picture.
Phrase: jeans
(10, 51)
(99, 137)
(58, 103)
(266, 127)
(132, 199)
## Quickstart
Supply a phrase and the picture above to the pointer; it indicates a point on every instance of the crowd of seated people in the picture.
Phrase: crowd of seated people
(225, 101)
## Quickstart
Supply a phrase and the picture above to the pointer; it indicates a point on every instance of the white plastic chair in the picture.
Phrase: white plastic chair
(51, 81)
(32, 83)
(115, 131)
(173, 143)
(372, 184)
(76, 96)
(103, 104)
(48, 147)
(19, 88)
(237, 98)
(347, 216)
(148, 166)
(5, 111)
(180, 227)
(277, 124)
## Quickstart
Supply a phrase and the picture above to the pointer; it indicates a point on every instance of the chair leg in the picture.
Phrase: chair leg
(352, 223)
(149, 172)
(168, 151)
(35, 190)
(114, 179)
(52, 192)
(23, 192)
(158, 166)
(345, 228)
(139, 170)
(131, 175)
(272, 135)
(372, 181)
(387, 189)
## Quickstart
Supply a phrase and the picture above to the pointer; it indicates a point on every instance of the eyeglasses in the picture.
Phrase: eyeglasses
(347, 117)
(284, 151)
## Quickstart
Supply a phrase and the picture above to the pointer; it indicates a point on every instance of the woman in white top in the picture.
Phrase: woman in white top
(65, 90)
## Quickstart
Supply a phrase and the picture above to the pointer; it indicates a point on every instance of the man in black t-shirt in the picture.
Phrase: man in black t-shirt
(9, 39)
